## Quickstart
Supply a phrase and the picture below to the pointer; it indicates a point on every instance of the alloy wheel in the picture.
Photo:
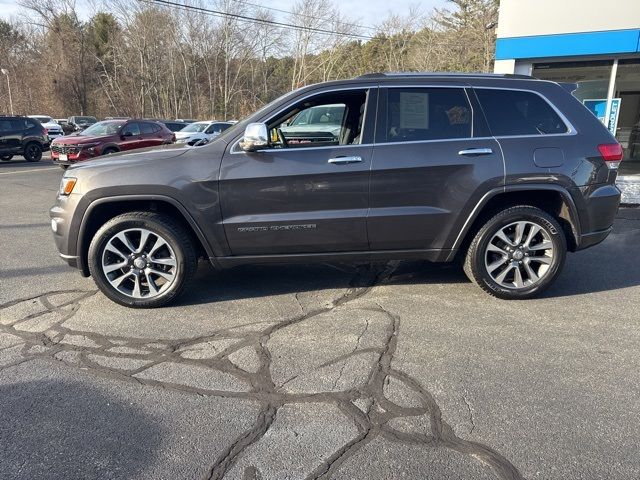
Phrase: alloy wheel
(519, 255)
(139, 263)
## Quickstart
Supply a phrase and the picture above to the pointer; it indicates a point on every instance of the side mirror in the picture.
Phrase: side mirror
(256, 137)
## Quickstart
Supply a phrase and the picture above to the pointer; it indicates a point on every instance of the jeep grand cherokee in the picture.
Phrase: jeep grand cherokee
(507, 172)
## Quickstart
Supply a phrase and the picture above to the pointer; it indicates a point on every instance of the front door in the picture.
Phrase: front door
(431, 157)
(303, 196)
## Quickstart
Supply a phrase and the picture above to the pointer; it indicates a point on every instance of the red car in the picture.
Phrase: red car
(109, 136)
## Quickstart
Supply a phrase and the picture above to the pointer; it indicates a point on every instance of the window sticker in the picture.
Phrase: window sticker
(414, 110)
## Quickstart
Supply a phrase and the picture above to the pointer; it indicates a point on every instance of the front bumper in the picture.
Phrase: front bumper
(61, 215)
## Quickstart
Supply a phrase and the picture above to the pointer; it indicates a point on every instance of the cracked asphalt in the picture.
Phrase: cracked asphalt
(402, 370)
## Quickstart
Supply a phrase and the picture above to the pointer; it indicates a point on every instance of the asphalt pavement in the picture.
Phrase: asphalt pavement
(404, 370)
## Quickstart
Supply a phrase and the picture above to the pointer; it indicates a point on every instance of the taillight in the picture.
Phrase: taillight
(173, 138)
(611, 153)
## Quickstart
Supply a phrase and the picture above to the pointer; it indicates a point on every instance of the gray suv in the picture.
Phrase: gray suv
(507, 173)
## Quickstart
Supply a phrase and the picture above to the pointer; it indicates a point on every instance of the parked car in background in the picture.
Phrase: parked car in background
(22, 136)
(174, 125)
(201, 133)
(507, 173)
(64, 124)
(186, 120)
(109, 136)
(316, 124)
(81, 122)
(54, 129)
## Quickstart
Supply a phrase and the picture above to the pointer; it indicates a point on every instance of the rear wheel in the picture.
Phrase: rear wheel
(32, 152)
(6, 158)
(517, 254)
(142, 259)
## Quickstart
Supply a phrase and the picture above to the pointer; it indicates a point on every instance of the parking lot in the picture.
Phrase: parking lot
(325, 371)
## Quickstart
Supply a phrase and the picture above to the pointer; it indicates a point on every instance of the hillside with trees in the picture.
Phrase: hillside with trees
(222, 59)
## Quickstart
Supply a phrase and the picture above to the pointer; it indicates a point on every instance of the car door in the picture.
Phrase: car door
(432, 159)
(131, 137)
(302, 198)
(8, 142)
(151, 134)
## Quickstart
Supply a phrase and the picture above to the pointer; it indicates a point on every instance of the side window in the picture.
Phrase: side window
(514, 112)
(19, 124)
(415, 114)
(328, 119)
(132, 127)
(147, 128)
(215, 128)
(5, 125)
(224, 126)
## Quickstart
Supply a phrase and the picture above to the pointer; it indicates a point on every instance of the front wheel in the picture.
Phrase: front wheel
(142, 259)
(517, 254)
(6, 158)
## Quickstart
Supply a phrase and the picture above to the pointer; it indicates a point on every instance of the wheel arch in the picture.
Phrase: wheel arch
(103, 209)
(553, 199)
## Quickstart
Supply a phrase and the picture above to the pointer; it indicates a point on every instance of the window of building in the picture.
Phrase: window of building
(418, 114)
(514, 112)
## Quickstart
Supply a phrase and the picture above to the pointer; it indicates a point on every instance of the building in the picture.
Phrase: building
(593, 43)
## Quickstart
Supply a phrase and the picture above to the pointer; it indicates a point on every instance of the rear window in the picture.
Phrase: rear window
(515, 112)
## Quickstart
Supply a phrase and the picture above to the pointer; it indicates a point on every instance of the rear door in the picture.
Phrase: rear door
(432, 159)
(9, 139)
(151, 134)
(131, 136)
(302, 197)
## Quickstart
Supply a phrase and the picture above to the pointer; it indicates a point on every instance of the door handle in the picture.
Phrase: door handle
(341, 160)
(476, 151)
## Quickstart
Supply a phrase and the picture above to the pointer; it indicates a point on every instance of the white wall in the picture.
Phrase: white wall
(521, 18)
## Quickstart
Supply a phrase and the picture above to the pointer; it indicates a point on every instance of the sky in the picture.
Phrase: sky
(363, 12)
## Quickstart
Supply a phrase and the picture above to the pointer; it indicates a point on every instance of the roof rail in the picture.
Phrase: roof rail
(443, 74)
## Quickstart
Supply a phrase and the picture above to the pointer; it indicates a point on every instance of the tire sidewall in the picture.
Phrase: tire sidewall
(490, 229)
(96, 251)
(35, 158)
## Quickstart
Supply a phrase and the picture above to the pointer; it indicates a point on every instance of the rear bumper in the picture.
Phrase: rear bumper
(590, 239)
(601, 207)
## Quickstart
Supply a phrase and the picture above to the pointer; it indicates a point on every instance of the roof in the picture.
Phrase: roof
(442, 75)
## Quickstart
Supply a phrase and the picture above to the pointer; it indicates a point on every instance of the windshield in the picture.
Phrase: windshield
(102, 128)
(195, 127)
(43, 119)
(85, 119)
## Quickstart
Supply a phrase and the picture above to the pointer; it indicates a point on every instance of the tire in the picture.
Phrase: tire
(177, 254)
(109, 151)
(529, 265)
(32, 152)
(6, 158)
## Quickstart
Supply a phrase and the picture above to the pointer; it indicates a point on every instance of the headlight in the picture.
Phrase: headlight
(66, 185)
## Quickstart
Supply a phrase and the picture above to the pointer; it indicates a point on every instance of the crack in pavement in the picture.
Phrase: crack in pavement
(133, 359)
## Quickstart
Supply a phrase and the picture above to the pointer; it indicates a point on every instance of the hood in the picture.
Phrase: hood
(52, 126)
(131, 158)
(181, 135)
(81, 139)
(334, 129)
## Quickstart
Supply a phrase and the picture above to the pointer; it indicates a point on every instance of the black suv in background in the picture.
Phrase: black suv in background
(22, 136)
(507, 173)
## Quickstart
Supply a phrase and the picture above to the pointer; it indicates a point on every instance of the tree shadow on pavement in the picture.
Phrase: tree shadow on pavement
(53, 429)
